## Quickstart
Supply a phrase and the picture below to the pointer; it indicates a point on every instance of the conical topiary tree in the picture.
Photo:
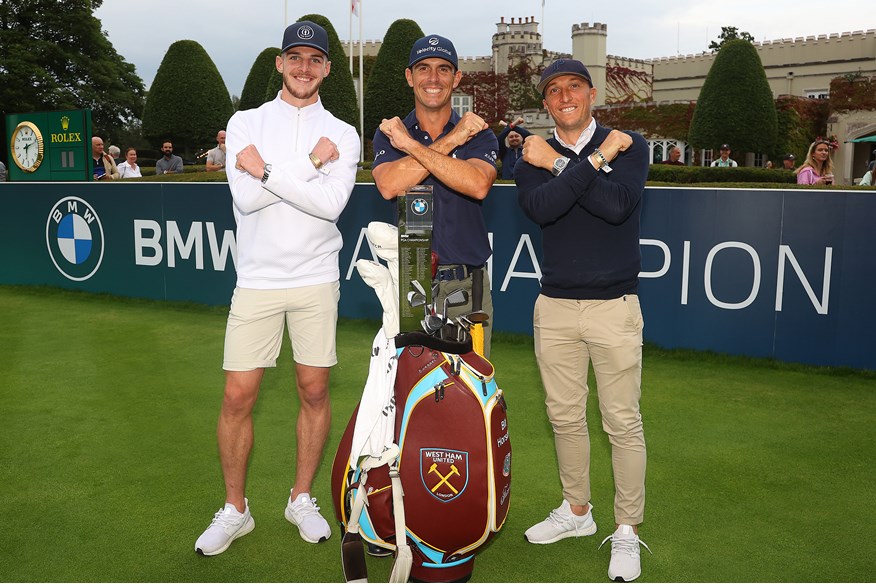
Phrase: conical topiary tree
(736, 104)
(264, 67)
(188, 101)
(387, 93)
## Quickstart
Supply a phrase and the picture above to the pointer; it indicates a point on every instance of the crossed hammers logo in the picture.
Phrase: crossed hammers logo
(444, 479)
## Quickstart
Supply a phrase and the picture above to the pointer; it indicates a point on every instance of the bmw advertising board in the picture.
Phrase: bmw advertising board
(769, 273)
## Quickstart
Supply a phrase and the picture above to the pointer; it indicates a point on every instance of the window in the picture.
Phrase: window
(708, 157)
(817, 93)
(461, 104)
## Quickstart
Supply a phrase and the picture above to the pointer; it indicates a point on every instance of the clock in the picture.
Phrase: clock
(27, 146)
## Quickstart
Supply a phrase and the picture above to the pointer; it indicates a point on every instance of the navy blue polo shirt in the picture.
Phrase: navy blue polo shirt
(459, 234)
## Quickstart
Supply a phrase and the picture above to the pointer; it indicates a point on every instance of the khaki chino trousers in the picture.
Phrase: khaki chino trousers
(569, 335)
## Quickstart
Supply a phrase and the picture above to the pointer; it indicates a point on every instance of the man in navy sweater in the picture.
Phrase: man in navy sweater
(584, 188)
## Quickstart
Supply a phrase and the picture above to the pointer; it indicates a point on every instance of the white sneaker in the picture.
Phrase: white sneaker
(228, 524)
(560, 524)
(304, 513)
(625, 565)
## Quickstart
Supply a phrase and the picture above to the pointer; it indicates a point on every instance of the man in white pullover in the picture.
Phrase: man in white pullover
(292, 166)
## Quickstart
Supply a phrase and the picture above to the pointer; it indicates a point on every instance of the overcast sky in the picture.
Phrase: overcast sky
(234, 33)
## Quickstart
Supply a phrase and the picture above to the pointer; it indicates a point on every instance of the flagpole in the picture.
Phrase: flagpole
(361, 83)
(542, 23)
(350, 41)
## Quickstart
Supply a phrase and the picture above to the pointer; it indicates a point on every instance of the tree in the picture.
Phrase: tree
(522, 81)
(262, 70)
(735, 104)
(729, 33)
(387, 92)
(338, 93)
(188, 101)
(53, 56)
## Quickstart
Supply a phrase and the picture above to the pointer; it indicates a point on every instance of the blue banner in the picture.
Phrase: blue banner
(766, 273)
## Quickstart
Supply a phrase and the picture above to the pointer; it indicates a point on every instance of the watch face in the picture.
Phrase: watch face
(27, 147)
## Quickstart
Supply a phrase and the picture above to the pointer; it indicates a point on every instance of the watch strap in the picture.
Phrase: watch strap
(267, 173)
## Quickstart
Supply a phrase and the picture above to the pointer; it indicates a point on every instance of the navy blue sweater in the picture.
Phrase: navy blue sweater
(589, 220)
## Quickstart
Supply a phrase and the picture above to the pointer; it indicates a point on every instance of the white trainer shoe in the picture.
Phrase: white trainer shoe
(304, 513)
(625, 564)
(228, 524)
(560, 524)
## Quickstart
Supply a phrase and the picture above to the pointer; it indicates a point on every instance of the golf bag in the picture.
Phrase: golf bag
(447, 484)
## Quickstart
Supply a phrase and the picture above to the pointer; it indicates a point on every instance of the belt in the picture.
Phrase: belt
(454, 272)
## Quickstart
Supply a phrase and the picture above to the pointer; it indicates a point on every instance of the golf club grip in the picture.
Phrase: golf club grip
(477, 289)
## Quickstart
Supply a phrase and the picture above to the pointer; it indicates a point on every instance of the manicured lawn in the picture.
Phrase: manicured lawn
(757, 471)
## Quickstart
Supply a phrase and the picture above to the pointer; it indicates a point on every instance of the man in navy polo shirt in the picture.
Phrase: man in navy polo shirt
(433, 145)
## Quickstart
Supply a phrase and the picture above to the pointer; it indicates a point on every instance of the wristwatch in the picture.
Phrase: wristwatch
(560, 165)
(267, 173)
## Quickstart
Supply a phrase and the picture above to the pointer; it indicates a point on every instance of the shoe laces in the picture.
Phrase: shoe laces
(563, 520)
(223, 519)
(625, 545)
(305, 507)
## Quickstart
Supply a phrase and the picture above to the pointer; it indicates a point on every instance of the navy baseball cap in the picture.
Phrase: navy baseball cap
(433, 46)
(305, 34)
(789, 157)
(563, 67)
(725, 147)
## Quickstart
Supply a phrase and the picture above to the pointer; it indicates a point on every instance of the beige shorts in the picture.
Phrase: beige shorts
(254, 333)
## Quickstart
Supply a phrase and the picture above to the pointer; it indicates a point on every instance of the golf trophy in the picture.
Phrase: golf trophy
(414, 255)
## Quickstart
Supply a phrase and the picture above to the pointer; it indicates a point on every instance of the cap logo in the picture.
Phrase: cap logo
(433, 41)
(305, 33)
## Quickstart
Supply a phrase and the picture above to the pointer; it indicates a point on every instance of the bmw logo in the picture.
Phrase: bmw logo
(305, 32)
(420, 206)
(74, 238)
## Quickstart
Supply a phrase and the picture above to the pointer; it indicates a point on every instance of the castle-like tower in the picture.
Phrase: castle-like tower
(589, 47)
(516, 41)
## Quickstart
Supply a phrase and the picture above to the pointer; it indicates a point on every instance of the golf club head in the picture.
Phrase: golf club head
(415, 284)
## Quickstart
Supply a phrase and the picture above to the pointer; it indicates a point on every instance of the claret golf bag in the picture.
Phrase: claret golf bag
(426, 453)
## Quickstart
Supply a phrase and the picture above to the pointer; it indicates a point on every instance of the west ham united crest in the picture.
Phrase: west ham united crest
(74, 238)
(444, 472)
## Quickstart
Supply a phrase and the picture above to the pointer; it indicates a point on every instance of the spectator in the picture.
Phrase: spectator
(511, 146)
(115, 153)
(103, 165)
(868, 178)
(2, 172)
(433, 145)
(169, 163)
(216, 156)
(818, 167)
(788, 161)
(872, 164)
(293, 173)
(769, 164)
(588, 310)
(129, 168)
(674, 156)
(725, 161)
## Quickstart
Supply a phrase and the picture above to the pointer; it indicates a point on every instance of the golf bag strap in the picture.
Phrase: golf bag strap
(352, 553)
(401, 568)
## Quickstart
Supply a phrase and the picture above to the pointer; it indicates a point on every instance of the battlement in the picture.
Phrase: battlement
(811, 42)
(585, 28)
(627, 62)
(517, 26)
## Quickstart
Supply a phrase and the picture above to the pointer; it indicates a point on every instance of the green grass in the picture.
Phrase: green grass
(757, 470)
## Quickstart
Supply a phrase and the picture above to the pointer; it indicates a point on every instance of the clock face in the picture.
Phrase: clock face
(27, 146)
